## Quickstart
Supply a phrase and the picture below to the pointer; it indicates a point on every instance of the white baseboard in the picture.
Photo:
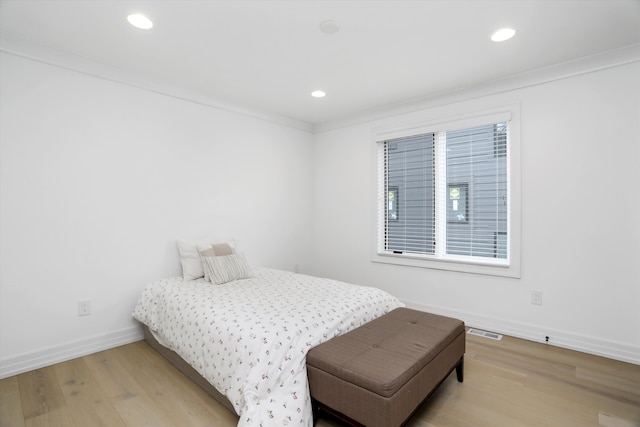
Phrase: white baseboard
(27, 362)
(591, 345)
(559, 338)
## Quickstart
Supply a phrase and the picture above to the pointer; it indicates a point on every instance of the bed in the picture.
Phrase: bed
(248, 339)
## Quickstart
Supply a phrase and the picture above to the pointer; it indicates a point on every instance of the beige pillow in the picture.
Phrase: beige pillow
(190, 256)
(223, 269)
(221, 249)
(216, 249)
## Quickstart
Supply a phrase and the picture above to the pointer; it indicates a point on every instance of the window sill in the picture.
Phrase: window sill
(487, 267)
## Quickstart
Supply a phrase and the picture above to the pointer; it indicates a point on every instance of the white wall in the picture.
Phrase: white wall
(98, 180)
(580, 228)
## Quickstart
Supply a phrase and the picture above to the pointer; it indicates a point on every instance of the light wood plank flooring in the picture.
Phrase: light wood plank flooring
(507, 383)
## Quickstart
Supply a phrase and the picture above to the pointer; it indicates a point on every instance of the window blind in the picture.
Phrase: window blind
(445, 194)
(409, 194)
(476, 197)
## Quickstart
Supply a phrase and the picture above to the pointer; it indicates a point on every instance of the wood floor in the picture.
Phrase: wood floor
(507, 383)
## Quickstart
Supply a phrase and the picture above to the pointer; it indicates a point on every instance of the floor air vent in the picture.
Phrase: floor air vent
(485, 334)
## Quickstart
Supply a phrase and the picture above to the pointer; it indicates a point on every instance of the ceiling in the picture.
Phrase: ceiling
(268, 56)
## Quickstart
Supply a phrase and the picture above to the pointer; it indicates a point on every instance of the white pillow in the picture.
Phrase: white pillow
(190, 256)
(223, 269)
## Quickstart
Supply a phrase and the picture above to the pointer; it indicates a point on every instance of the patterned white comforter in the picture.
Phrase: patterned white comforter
(249, 338)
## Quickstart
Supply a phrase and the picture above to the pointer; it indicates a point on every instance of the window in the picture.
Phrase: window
(445, 196)
(409, 173)
(392, 203)
(457, 203)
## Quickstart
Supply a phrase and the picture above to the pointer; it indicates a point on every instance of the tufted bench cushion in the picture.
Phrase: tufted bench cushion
(379, 374)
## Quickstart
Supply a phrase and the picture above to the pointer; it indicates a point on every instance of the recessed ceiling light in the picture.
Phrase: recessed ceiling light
(318, 94)
(503, 34)
(329, 27)
(140, 21)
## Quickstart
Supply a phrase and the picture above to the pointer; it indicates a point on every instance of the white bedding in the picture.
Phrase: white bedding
(249, 338)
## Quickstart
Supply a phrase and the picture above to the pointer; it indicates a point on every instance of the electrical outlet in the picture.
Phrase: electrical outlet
(84, 307)
(536, 297)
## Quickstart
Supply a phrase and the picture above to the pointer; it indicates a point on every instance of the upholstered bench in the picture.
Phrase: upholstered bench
(379, 374)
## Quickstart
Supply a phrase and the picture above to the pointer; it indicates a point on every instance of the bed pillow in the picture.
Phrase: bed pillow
(226, 268)
(190, 256)
(222, 249)
(216, 249)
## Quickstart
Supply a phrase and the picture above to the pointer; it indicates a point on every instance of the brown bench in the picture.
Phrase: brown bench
(379, 374)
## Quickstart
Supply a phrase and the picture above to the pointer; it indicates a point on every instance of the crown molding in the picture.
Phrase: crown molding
(19, 46)
(16, 45)
(589, 64)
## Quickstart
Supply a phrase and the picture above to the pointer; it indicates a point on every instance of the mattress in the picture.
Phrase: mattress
(249, 338)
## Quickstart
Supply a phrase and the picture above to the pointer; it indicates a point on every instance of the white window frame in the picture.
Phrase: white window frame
(488, 266)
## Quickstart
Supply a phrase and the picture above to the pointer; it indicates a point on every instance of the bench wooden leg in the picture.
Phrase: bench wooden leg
(322, 408)
(460, 370)
(314, 409)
